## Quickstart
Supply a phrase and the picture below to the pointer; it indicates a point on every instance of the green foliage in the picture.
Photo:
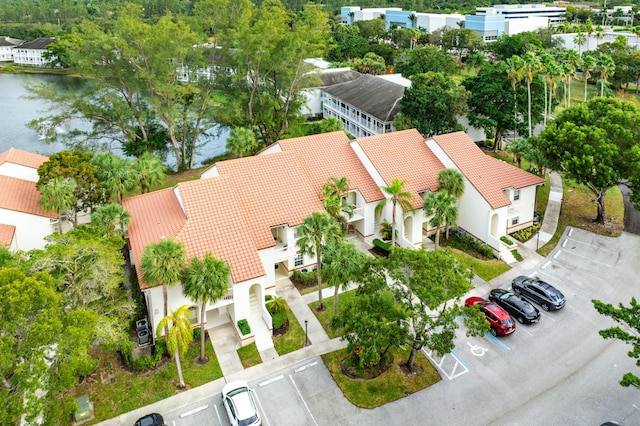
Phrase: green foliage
(242, 141)
(468, 243)
(506, 240)
(424, 59)
(244, 327)
(141, 362)
(382, 245)
(370, 64)
(432, 104)
(279, 319)
(307, 279)
(629, 318)
(197, 333)
(275, 304)
(523, 235)
(516, 254)
(385, 230)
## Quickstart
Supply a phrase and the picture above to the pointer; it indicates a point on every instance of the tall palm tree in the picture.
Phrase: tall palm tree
(515, 73)
(111, 219)
(205, 281)
(599, 35)
(518, 149)
(397, 196)
(315, 232)
(451, 181)
(531, 66)
(149, 171)
(115, 173)
(242, 141)
(588, 64)
(334, 194)
(343, 264)
(588, 28)
(57, 195)
(442, 209)
(553, 71)
(579, 40)
(607, 67)
(178, 336)
(573, 59)
(163, 264)
(545, 60)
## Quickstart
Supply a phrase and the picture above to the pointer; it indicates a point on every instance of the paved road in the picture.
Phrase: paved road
(556, 372)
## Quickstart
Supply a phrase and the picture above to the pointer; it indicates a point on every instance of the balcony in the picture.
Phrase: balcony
(358, 214)
(282, 252)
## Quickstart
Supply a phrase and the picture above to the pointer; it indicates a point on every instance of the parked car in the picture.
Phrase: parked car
(153, 419)
(501, 322)
(519, 308)
(541, 292)
(241, 407)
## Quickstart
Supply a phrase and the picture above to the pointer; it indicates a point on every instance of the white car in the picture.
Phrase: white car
(241, 407)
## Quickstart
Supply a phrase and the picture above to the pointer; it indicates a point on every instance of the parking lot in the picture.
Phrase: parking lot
(558, 371)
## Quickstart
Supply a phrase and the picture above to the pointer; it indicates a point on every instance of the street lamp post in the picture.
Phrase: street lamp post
(306, 324)
(471, 276)
(537, 240)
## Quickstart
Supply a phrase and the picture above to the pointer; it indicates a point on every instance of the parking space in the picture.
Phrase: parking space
(207, 412)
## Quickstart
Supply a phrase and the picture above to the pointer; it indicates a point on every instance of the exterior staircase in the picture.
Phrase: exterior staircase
(258, 326)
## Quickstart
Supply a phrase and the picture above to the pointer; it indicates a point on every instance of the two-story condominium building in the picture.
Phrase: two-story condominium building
(246, 211)
(31, 53)
(7, 46)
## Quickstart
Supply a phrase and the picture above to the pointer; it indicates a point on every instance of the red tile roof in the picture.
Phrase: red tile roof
(23, 158)
(488, 175)
(330, 155)
(6, 234)
(403, 155)
(21, 196)
(273, 190)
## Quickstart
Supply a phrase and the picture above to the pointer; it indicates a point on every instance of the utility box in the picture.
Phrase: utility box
(84, 411)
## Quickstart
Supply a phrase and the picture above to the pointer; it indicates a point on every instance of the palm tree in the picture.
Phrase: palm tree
(475, 60)
(518, 149)
(111, 219)
(205, 281)
(115, 173)
(579, 40)
(588, 64)
(573, 59)
(342, 265)
(607, 68)
(316, 231)
(397, 196)
(599, 35)
(515, 73)
(334, 194)
(149, 171)
(531, 66)
(241, 141)
(57, 195)
(553, 71)
(442, 209)
(178, 336)
(451, 181)
(163, 263)
(545, 60)
(588, 27)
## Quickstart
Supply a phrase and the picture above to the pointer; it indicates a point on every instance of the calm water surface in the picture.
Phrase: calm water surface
(16, 111)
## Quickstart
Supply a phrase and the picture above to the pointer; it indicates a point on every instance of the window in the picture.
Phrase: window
(515, 220)
(516, 195)
(299, 260)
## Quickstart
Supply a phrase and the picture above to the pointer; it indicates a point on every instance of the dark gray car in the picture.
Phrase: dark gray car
(519, 308)
(541, 292)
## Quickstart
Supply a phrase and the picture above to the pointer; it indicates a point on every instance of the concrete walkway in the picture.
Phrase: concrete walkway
(225, 342)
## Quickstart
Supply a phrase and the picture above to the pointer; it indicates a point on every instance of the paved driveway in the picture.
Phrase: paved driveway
(556, 372)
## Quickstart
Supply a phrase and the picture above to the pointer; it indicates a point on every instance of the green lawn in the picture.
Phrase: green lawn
(485, 269)
(131, 390)
(293, 339)
(249, 355)
(325, 316)
(391, 385)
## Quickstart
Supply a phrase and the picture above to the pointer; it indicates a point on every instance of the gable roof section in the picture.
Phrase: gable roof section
(331, 76)
(403, 155)
(11, 42)
(153, 216)
(40, 43)
(375, 96)
(21, 196)
(216, 224)
(330, 155)
(272, 190)
(22, 158)
(6, 234)
(488, 175)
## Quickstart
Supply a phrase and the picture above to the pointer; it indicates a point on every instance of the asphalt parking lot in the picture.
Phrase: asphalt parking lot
(556, 372)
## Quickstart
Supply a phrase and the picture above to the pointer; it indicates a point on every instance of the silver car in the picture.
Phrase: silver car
(240, 404)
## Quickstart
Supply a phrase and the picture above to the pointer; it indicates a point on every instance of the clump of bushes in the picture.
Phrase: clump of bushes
(276, 307)
(382, 245)
(525, 234)
(516, 254)
(142, 362)
(307, 279)
(244, 327)
(506, 240)
(385, 230)
(467, 243)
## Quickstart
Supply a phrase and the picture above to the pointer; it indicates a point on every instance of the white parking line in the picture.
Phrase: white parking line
(546, 316)
(215, 407)
(525, 330)
(303, 401)
(304, 367)
(194, 411)
(264, 413)
(457, 363)
(268, 382)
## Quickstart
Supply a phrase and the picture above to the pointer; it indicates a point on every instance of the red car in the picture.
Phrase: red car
(501, 322)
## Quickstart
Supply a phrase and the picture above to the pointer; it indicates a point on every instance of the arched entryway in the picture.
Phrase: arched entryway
(495, 222)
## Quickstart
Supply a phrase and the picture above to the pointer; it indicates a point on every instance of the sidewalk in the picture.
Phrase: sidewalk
(320, 341)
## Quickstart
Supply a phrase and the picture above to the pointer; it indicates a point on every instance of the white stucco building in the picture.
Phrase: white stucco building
(31, 53)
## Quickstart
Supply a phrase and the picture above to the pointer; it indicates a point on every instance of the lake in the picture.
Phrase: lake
(16, 111)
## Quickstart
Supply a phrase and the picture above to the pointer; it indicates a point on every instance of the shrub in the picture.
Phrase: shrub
(525, 234)
(506, 240)
(196, 334)
(385, 230)
(465, 242)
(142, 362)
(382, 245)
(517, 255)
(275, 304)
(244, 327)
(279, 319)
(308, 278)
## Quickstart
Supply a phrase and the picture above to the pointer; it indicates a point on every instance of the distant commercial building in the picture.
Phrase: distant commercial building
(395, 16)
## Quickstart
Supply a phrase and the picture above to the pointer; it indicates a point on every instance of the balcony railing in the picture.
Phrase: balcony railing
(358, 214)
